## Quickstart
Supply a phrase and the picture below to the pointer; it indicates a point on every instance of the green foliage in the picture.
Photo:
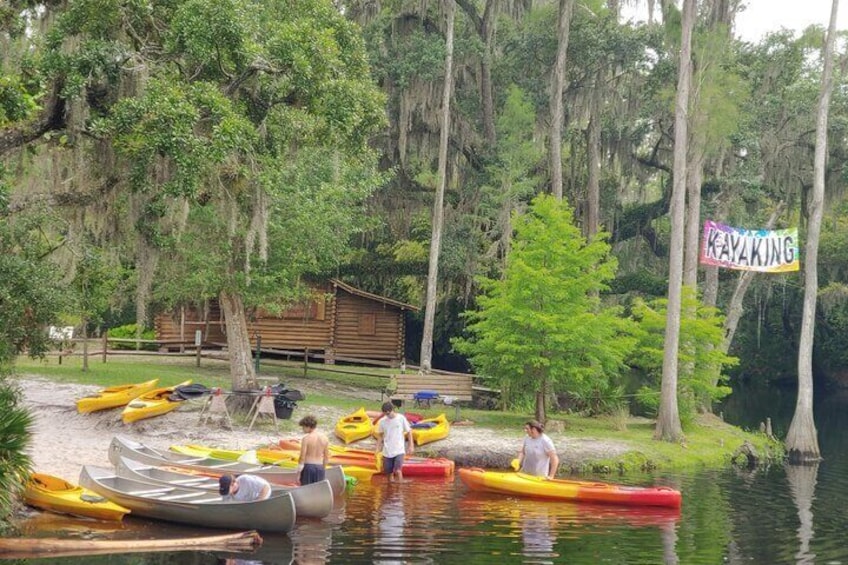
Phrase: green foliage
(16, 103)
(128, 331)
(94, 285)
(700, 357)
(30, 290)
(15, 465)
(543, 323)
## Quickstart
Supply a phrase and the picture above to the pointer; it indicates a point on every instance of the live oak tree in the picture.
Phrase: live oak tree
(542, 326)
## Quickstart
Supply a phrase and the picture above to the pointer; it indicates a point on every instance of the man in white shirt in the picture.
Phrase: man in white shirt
(244, 488)
(390, 441)
(538, 455)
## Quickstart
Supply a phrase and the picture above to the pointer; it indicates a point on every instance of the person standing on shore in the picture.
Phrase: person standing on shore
(314, 452)
(538, 455)
(390, 441)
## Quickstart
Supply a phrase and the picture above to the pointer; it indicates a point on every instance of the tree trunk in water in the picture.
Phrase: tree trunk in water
(438, 204)
(557, 85)
(802, 439)
(668, 419)
(238, 342)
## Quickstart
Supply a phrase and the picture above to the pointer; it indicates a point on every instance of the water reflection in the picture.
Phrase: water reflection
(311, 541)
(538, 529)
(391, 524)
(802, 486)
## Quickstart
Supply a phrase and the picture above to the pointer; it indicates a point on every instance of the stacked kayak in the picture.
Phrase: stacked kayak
(522, 484)
(154, 403)
(355, 426)
(58, 495)
(114, 396)
(412, 466)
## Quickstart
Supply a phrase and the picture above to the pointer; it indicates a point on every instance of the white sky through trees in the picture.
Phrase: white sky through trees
(763, 16)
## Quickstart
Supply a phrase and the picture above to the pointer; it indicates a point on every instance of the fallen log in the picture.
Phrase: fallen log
(24, 548)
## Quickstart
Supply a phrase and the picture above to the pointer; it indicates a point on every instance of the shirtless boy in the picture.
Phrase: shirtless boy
(314, 452)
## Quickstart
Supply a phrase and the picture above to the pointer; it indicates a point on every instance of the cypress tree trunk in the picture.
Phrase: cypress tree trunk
(802, 439)
(563, 24)
(238, 342)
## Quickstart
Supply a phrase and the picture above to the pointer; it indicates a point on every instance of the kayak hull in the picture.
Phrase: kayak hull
(439, 429)
(521, 484)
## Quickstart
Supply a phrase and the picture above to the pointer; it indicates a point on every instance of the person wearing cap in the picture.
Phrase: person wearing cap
(538, 456)
(390, 441)
(244, 488)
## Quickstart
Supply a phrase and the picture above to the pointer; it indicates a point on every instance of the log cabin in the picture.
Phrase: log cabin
(340, 322)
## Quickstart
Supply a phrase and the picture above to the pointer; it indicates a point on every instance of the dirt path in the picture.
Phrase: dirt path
(64, 440)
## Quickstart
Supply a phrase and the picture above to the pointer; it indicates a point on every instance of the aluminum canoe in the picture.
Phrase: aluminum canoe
(310, 501)
(123, 446)
(191, 506)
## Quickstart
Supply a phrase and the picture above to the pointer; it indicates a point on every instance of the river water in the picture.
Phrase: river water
(765, 516)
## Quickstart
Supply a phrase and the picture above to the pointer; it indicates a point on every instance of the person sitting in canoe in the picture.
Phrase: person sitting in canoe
(538, 455)
(314, 452)
(244, 488)
(390, 441)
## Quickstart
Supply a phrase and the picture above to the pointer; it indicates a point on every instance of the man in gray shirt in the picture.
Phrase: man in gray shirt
(244, 488)
(537, 456)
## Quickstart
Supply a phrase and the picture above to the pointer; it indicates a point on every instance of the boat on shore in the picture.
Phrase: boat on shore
(153, 403)
(122, 446)
(58, 495)
(310, 501)
(522, 484)
(114, 396)
(354, 427)
(192, 506)
(430, 429)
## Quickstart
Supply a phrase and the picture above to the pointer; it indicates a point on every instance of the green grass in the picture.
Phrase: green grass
(710, 443)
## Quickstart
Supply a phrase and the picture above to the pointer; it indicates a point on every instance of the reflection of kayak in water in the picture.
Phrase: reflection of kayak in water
(475, 507)
(522, 484)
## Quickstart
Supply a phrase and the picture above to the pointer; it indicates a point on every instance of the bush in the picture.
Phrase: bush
(128, 332)
(14, 436)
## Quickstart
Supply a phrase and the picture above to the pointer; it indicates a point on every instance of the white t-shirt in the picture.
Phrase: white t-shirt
(392, 431)
(250, 488)
(536, 459)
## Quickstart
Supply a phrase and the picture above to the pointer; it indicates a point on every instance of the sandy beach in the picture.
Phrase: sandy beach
(64, 440)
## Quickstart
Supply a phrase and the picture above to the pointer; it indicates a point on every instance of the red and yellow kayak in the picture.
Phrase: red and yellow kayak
(430, 429)
(114, 396)
(412, 466)
(522, 484)
(58, 495)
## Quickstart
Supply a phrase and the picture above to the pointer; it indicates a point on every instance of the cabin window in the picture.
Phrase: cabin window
(368, 324)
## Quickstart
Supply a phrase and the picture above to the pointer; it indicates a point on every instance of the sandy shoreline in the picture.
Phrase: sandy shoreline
(64, 440)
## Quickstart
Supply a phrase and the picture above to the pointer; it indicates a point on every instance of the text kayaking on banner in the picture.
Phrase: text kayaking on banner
(768, 251)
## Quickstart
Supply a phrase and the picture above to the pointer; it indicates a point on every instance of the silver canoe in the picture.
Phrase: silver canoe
(191, 506)
(123, 446)
(310, 501)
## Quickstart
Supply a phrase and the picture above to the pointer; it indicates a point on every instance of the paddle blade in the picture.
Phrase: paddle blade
(515, 465)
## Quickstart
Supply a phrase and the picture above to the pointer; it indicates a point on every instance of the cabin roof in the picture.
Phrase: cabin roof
(358, 292)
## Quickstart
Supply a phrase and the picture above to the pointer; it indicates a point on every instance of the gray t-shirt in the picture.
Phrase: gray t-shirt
(536, 459)
(250, 488)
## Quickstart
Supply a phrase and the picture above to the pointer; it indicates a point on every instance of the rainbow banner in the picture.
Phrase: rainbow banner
(767, 251)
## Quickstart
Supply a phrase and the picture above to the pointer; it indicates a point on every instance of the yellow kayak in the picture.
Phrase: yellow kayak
(58, 495)
(114, 396)
(354, 426)
(285, 459)
(154, 403)
(430, 429)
